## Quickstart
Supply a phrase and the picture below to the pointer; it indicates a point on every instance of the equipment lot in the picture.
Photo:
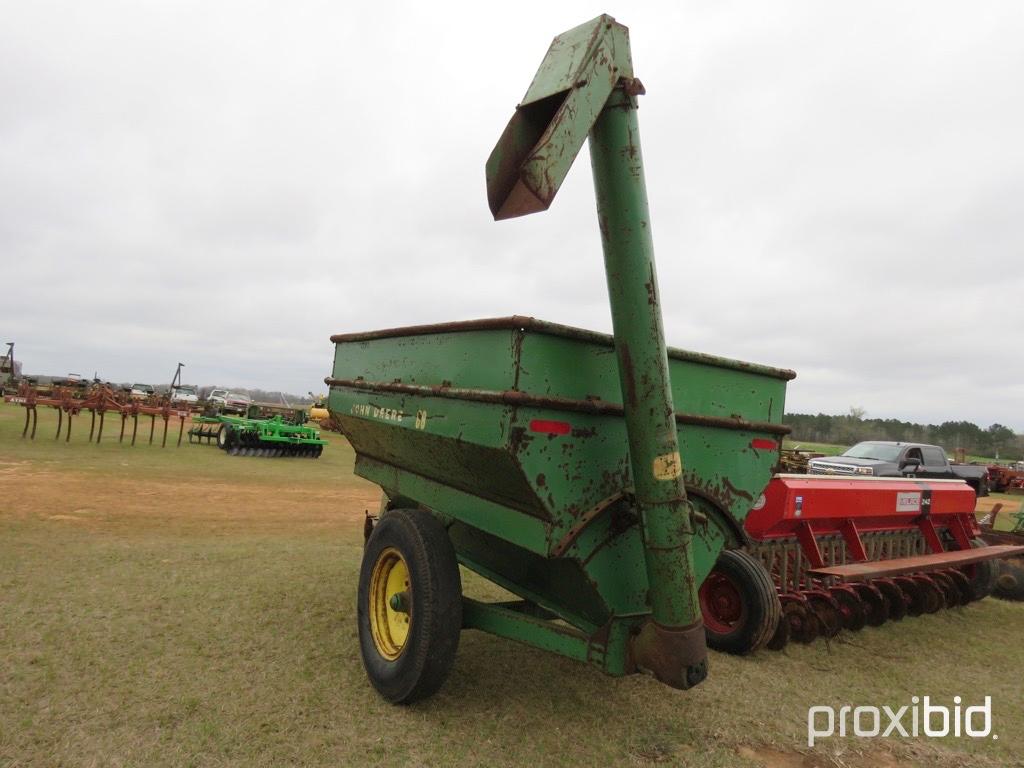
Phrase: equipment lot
(181, 607)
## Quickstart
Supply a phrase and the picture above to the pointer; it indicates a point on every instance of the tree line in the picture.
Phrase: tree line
(995, 440)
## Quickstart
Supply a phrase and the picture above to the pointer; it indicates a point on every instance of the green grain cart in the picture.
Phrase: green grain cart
(595, 477)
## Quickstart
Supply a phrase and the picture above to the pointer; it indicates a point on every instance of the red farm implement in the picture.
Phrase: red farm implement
(98, 400)
(845, 553)
(1006, 478)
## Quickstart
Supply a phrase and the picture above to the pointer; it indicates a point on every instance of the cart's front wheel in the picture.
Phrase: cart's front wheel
(410, 606)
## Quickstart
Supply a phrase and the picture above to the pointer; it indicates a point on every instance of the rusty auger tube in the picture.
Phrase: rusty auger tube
(672, 644)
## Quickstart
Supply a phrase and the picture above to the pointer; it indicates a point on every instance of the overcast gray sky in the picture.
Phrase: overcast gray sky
(836, 188)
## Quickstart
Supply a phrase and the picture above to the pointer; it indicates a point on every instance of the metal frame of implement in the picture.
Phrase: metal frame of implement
(99, 399)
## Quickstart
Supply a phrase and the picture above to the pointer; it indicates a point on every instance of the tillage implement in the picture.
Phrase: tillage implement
(99, 400)
(607, 482)
(280, 434)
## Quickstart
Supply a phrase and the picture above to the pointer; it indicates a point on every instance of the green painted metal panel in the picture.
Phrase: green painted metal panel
(450, 443)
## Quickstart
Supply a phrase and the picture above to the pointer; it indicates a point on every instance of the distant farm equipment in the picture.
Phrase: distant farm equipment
(796, 460)
(1007, 478)
(265, 430)
(10, 370)
(1010, 578)
(318, 410)
(71, 398)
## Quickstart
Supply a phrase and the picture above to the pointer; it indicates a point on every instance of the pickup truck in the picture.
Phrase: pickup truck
(235, 402)
(887, 459)
(141, 391)
(184, 393)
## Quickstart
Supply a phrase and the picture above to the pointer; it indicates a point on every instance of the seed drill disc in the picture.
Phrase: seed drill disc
(915, 595)
(950, 594)
(894, 596)
(803, 624)
(962, 584)
(851, 608)
(828, 616)
(934, 600)
(876, 604)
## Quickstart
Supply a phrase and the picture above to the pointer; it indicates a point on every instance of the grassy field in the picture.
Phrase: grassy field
(182, 607)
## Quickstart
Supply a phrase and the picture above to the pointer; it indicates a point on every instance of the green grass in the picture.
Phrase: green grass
(181, 607)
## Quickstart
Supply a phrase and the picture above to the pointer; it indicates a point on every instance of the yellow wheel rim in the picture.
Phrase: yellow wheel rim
(390, 603)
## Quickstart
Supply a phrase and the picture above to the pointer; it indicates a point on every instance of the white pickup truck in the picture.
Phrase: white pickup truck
(184, 394)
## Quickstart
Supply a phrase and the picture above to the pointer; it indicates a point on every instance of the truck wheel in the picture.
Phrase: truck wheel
(409, 607)
(739, 604)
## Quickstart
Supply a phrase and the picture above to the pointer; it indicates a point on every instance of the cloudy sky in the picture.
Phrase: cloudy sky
(836, 188)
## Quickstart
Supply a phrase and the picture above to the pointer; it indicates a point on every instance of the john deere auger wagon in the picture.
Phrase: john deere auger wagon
(603, 480)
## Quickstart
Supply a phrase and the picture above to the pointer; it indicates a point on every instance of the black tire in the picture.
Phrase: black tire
(753, 624)
(982, 576)
(780, 637)
(225, 437)
(434, 596)
(1010, 579)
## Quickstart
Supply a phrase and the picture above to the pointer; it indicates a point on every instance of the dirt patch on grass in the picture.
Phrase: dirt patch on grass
(135, 506)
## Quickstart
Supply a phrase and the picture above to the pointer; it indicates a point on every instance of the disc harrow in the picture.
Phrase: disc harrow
(99, 400)
(849, 553)
(269, 438)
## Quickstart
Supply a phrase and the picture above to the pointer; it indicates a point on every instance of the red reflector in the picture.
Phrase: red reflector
(550, 427)
(762, 444)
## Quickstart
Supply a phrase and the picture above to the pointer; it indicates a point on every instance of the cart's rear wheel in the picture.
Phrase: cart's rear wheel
(410, 606)
(739, 604)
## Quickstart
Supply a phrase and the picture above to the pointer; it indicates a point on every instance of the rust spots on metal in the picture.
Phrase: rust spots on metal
(526, 400)
(533, 325)
(581, 522)
(628, 375)
(632, 86)
(675, 656)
